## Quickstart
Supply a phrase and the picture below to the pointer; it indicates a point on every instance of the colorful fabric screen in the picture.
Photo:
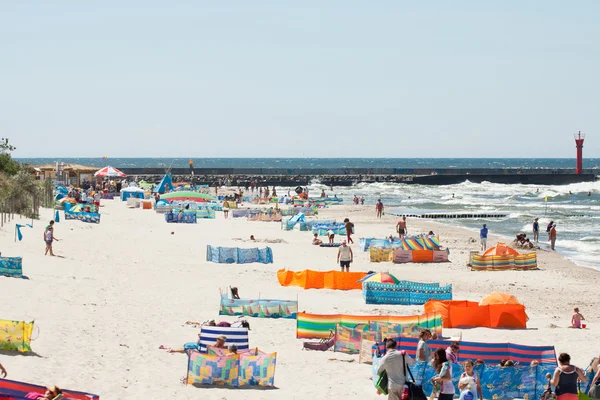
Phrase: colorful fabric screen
(317, 326)
(518, 382)
(18, 390)
(11, 267)
(521, 262)
(406, 243)
(309, 279)
(237, 370)
(260, 308)
(235, 255)
(15, 335)
(188, 217)
(405, 292)
(93, 218)
(462, 313)
(491, 353)
(399, 256)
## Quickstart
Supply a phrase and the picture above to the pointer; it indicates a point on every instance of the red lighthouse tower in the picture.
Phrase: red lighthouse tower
(579, 137)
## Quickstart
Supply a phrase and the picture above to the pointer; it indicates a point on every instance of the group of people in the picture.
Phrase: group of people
(358, 200)
(521, 239)
(565, 378)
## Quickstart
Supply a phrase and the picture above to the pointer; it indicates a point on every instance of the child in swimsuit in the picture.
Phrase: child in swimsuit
(576, 319)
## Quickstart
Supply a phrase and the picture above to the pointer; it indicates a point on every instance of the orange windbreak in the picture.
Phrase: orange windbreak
(457, 313)
(309, 279)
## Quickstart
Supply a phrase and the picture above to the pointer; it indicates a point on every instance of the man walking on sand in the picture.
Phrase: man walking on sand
(483, 236)
(345, 256)
(401, 227)
(553, 236)
(379, 208)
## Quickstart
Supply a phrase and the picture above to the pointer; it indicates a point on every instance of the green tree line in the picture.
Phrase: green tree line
(20, 192)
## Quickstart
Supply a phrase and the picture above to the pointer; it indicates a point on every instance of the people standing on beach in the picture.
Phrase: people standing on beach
(345, 256)
(379, 208)
(423, 349)
(536, 230)
(394, 363)
(330, 235)
(548, 229)
(576, 319)
(349, 230)
(553, 236)
(362, 201)
(565, 378)
(483, 234)
(49, 238)
(401, 227)
(192, 167)
(444, 374)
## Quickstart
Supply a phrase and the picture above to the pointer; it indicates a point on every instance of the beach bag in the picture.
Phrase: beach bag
(415, 392)
(382, 383)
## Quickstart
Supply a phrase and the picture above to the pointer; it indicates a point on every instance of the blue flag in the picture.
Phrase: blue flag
(57, 217)
(19, 234)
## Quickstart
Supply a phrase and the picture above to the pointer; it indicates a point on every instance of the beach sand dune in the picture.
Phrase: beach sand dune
(127, 286)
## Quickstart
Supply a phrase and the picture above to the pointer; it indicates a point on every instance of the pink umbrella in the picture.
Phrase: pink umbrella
(109, 171)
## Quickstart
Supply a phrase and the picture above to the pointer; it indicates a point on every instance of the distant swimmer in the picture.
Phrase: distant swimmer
(570, 192)
(537, 190)
(452, 195)
(589, 194)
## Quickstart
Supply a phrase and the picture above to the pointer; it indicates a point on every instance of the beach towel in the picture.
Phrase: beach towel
(237, 336)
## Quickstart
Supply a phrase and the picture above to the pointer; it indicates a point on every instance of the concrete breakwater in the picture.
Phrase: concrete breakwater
(348, 177)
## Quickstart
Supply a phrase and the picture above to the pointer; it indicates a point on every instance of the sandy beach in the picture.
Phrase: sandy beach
(127, 286)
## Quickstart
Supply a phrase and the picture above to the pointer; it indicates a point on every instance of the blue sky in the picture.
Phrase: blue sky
(314, 79)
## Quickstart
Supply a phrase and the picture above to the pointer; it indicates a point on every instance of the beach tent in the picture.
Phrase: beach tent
(132, 191)
(167, 180)
(463, 313)
(110, 172)
(499, 298)
(501, 250)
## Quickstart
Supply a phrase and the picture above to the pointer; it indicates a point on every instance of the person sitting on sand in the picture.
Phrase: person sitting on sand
(527, 244)
(520, 239)
(316, 241)
(330, 235)
(234, 293)
(576, 319)
(52, 393)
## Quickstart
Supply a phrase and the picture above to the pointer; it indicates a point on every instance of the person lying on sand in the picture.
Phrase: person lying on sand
(220, 344)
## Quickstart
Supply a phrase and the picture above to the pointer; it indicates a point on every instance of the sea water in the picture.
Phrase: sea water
(576, 214)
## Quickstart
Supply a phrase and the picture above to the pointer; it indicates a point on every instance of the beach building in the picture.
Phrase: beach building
(74, 174)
